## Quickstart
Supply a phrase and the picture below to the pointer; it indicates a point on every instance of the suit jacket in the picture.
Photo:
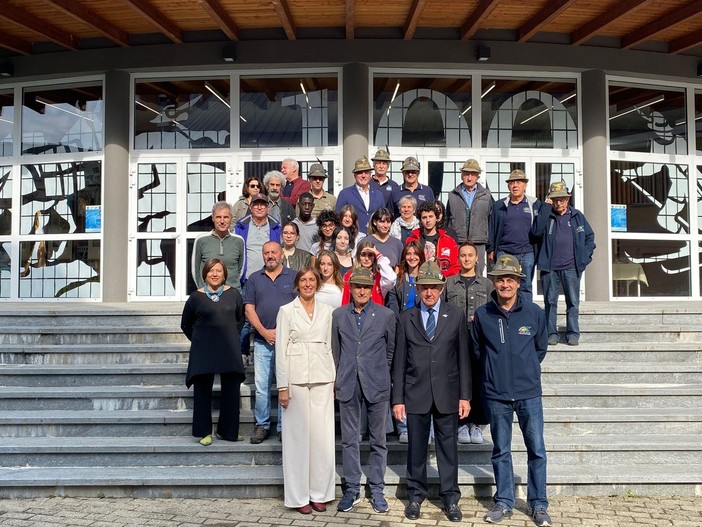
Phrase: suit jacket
(438, 370)
(363, 356)
(303, 345)
(351, 196)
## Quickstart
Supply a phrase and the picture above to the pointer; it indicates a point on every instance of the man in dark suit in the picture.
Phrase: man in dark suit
(363, 343)
(364, 197)
(432, 379)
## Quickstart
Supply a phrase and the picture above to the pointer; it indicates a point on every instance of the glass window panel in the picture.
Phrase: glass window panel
(60, 269)
(5, 200)
(206, 185)
(7, 122)
(647, 120)
(60, 198)
(422, 111)
(698, 121)
(652, 197)
(156, 267)
(156, 204)
(258, 169)
(547, 173)
(495, 174)
(288, 111)
(60, 120)
(5, 261)
(522, 113)
(189, 113)
(650, 268)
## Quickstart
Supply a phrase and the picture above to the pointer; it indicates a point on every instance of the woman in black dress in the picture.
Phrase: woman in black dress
(212, 319)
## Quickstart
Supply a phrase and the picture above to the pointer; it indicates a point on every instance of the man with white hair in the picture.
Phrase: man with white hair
(280, 209)
(294, 185)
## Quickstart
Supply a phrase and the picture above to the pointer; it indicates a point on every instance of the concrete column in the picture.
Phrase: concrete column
(115, 219)
(355, 111)
(596, 180)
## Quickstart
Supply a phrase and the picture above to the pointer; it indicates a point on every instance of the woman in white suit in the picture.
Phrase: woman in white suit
(305, 375)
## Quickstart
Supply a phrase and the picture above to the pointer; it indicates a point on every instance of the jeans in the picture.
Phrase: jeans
(530, 415)
(526, 260)
(551, 282)
(264, 375)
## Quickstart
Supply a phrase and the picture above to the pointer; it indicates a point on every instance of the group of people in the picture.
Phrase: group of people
(377, 299)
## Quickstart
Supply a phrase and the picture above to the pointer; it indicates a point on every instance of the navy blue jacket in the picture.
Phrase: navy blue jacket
(496, 221)
(543, 232)
(242, 229)
(510, 349)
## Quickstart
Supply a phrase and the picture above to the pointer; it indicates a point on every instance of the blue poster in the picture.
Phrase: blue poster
(93, 218)
(618, 213)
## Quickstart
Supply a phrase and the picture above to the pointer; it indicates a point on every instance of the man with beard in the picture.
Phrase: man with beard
(280, 209)
(267, 290)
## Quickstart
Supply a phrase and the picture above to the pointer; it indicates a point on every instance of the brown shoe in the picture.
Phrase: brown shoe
(260, 434)
(318, 507)
(305, 509)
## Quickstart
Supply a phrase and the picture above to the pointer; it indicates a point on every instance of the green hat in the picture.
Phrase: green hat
(361, 276)
(410, 163)
(507, 265)
(471, 166)
(316, 170)
(362, 165)
(558, 190)
(517, 175)
(381, 155)
(430, 274)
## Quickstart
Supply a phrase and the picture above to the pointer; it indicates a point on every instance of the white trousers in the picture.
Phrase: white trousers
(309, 468)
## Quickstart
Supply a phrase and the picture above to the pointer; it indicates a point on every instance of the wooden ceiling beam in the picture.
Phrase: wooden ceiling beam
(21, 18)
(350, 19)
(609, 17)
(413, 18)
(283, 11)
(662, 23)
(685, 42)
(80, 13)
(471, 24)
(217, 13)
(543, 17)
(15, 44)
(158, 19)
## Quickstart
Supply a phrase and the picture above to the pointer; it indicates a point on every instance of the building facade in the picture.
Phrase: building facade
(110, 160)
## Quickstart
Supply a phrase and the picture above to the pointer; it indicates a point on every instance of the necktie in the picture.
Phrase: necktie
(431, 323)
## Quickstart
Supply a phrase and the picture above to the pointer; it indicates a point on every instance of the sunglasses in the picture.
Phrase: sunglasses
(368, 255)
(254, 185)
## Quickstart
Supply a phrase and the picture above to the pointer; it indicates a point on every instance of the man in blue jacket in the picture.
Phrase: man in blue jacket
(509, 340)
(364, 197)
(565, 246)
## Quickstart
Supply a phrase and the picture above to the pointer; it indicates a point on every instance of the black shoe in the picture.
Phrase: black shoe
(412, 510)
(453, 513)
(260, 434)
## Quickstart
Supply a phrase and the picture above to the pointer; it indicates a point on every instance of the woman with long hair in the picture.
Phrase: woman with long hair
(252, 186)
(384, 275)
(403, 295)
(342, 246)
(293, 257)
(349, 218)
(379, 232)
(327, 265)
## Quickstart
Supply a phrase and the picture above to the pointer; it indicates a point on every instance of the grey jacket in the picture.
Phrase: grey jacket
(479, 214)
(478, 294)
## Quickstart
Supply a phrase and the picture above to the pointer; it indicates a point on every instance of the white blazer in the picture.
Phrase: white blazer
(303, 353)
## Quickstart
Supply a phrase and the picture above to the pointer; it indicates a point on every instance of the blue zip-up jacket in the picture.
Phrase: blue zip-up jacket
(242, 229)
(543, 232)
(496, 221)
(510, 349)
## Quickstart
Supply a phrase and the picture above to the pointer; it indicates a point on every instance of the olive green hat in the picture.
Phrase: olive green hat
(381, 155)
(410, 163)
(507, 265)
(430, 274)
(517, 175)
(361, 276)
(362, 165)
(316, 170)
(471, 165)
(558, 189)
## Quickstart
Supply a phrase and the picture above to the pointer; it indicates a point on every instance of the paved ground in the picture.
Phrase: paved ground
(126, 512)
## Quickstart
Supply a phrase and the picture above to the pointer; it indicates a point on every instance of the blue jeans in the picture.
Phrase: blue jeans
(526, 260)
(530, 415)
(551, 282)
(264, 375)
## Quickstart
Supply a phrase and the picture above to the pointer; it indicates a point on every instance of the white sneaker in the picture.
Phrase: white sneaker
(476, 435)
(463, 434)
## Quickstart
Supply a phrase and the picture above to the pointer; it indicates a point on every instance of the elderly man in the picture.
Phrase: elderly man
(363, 344)
(381, 180)
(565, 246)
(509, 341)
(365, 198)
(268, 288)
(219, 243)
(468, 210)
(510, 228)
(432, 380)
(256, 229)
(280, 209)
(323, 200)
(294, 185)
(411, 186)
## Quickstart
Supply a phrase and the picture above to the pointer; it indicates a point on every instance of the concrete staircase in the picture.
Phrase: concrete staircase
(93, 404)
